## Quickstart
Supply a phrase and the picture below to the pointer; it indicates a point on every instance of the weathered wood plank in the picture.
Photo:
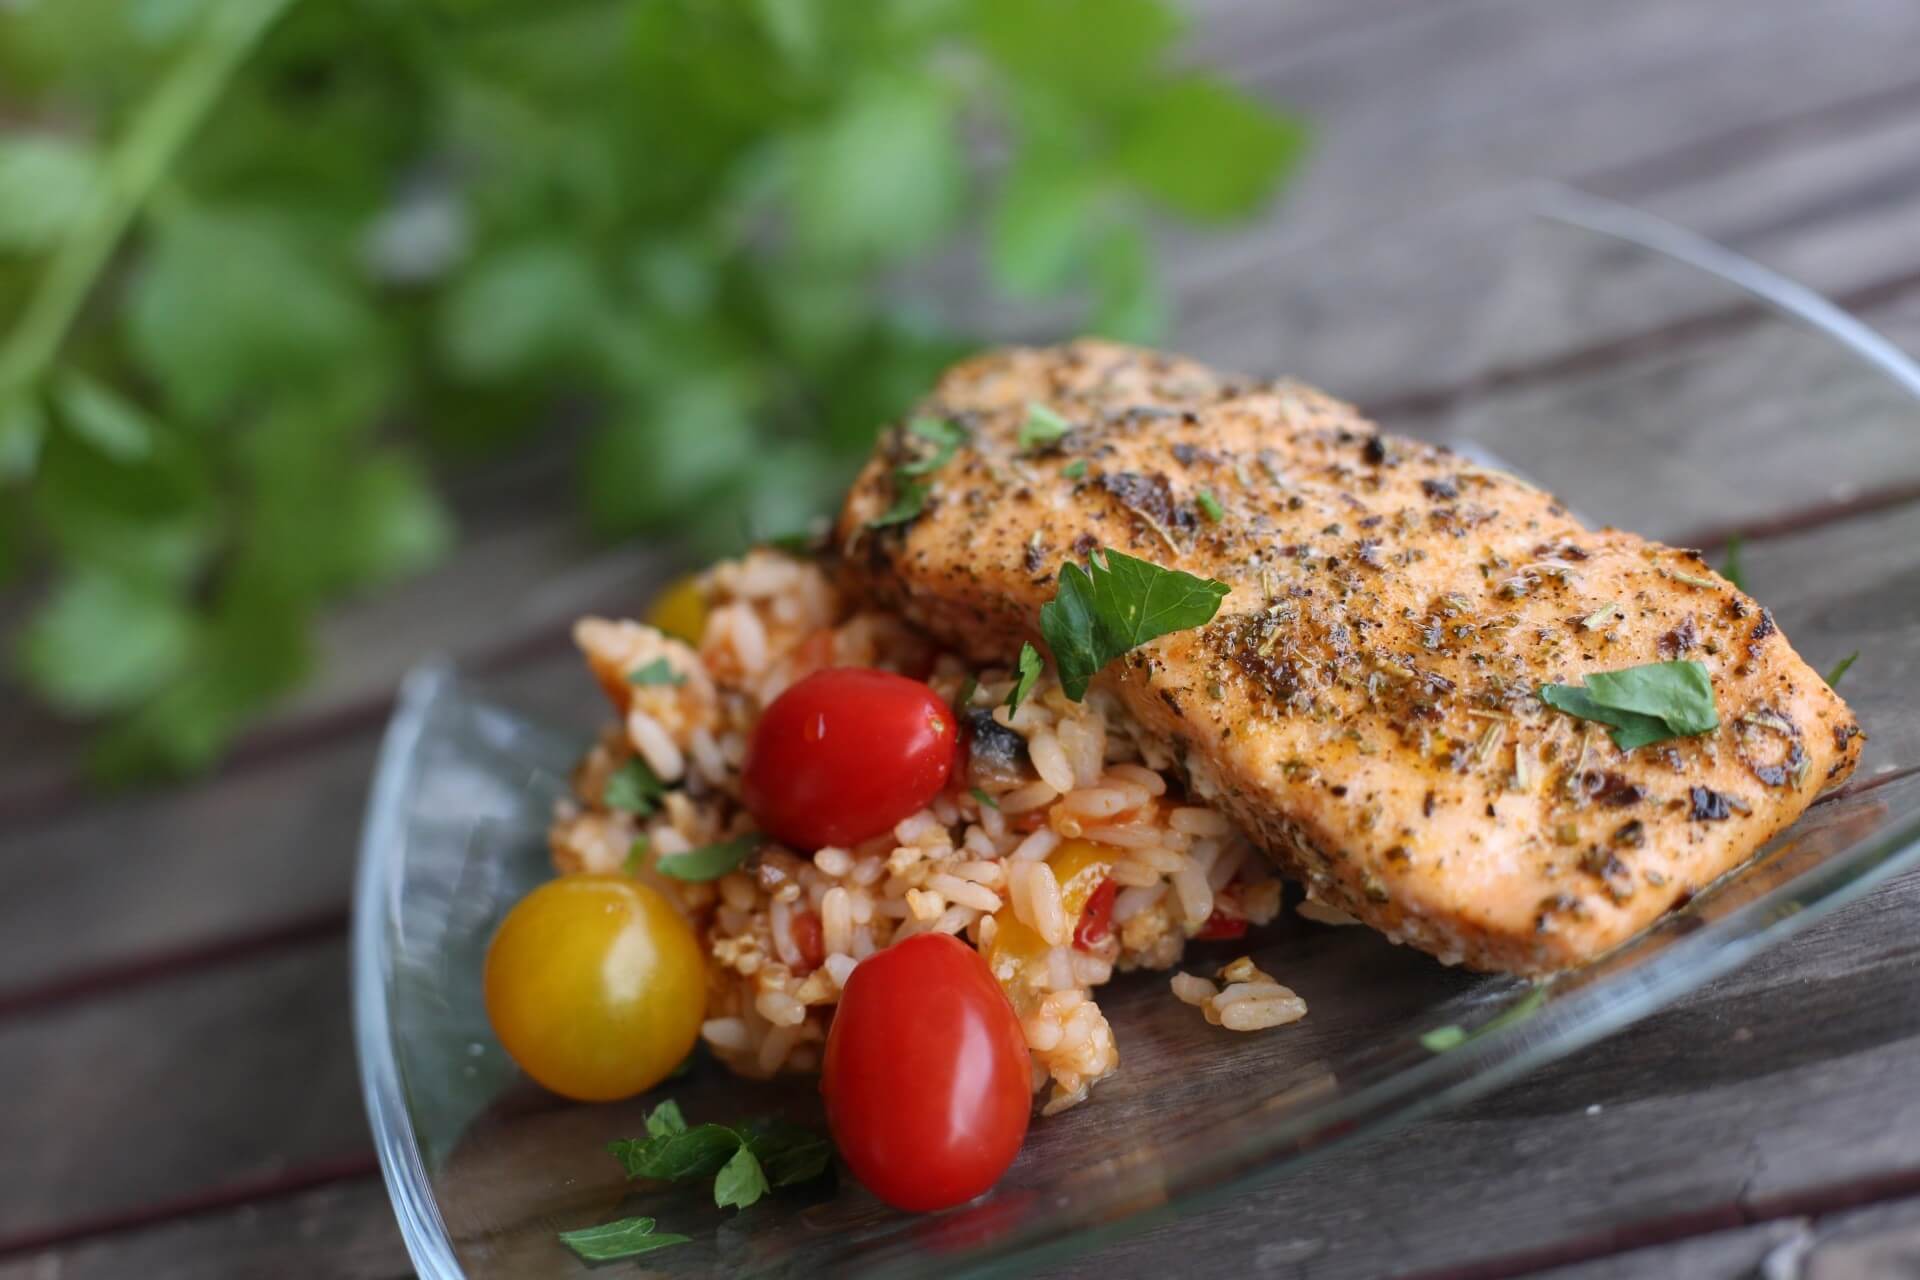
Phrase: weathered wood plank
(1690, 1117)
(343, 1232)
(178, 1088)
(246, 849)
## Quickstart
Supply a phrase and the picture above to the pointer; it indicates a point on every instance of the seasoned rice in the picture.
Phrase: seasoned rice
(786, 931)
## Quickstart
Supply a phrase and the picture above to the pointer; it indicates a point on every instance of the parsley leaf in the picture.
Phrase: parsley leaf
(698, 1152)
(1644, 704)
(633, 788)
(1042, 427)
(745, 1162)
(1029, 668)
(1840, 669)
(981, 797)
(622, 1239)
(740, 1182)
(636, 856)
(909, 500)
(1075, 470)
(1209, 506)
(964, 699)
(666, 1120)
(659, 671)
(709, 862)
(1116, 604)
(789, 1153)
(947, 437)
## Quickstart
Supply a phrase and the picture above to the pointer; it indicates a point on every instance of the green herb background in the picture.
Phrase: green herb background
(269, 268)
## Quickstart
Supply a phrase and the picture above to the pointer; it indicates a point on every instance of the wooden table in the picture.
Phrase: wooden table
(177, 1086)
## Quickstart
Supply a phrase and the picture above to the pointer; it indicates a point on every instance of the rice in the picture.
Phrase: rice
(1010, 877)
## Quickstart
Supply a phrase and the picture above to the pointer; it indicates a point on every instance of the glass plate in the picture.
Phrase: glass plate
(1654, 380)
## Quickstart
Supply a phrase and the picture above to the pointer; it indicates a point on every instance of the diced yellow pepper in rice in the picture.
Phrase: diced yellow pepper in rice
(680, 611)
(1018, 955)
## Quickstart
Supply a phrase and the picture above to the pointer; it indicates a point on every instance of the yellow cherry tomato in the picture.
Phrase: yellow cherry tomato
(680, 611)
(596, 986)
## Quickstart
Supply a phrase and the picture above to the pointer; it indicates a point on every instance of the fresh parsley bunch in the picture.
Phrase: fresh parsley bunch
(260, 259)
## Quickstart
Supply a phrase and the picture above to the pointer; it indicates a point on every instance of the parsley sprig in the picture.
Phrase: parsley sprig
(745, 1161)
(1642, 705)
(1113, 606)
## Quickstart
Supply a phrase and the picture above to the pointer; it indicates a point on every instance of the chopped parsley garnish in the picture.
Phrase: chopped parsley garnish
(636, 856)
(740, 1182)
(1442, 1038)
(1075, 470)
(622, 1239)
(1644, 704)
(946, 437)
(1840, 669)
(710, 861)
(633, 787)
(1028, 670)
(910, 489)
(964, 698)
(1209, 506)
(745, 1161)
(983, 798)
(909, 500)
(1730, 568)
(659, 671)
(1116, 604)
(1042, 427)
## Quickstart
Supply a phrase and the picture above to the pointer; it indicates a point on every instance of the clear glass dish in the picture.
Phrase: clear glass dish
(1653, 380)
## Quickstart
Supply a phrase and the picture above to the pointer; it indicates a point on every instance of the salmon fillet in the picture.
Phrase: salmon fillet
(1365, 703)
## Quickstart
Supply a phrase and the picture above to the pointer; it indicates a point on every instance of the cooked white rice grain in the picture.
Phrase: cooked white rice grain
(965, 892)
(1050, 760)
(1025, 799)
(1193, 989)
(1035, 847)
(780, 1009)
(836, 920)
(655, 745)
(1196, 899)
(1097, 802)
(839, 968)
(1130, 902)
(726, 1033)
(1258, 1015)
(1140, 776)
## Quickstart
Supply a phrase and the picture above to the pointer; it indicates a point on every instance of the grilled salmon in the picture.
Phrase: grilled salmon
(1366, 701)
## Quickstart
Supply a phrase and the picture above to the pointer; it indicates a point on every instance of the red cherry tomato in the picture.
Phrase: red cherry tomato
(1096, 916)
(926, 1077)
(845, 754)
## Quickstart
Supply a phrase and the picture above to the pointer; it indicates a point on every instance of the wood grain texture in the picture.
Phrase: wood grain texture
(341, 1232)
(177, 1089)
